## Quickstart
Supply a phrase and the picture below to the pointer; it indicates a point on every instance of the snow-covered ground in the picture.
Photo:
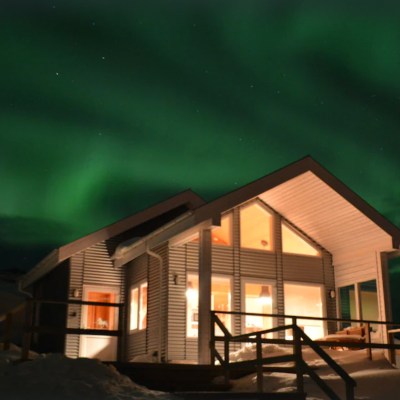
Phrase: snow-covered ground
(57, 377)
(376, 379)
(54, 376)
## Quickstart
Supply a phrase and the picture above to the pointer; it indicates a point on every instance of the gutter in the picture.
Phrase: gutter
(160, 260)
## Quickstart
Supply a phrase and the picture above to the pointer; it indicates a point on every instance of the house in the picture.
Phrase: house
(295, 242)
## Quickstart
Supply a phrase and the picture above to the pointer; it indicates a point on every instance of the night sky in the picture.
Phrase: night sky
(110, 106)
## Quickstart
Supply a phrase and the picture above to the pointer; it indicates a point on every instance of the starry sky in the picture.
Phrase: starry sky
(110, 106)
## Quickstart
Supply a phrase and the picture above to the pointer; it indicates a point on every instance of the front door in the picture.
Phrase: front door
(102, 347)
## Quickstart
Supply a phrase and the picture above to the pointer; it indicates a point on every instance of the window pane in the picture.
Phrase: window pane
(143, 306)
(304, 300)
(258, 299)
(347, 304)
(134, 309)
(293, 243)
(255, 227)
(192, 305)
(101, 317)
(221, 300)
(369, 301)
(222, 235)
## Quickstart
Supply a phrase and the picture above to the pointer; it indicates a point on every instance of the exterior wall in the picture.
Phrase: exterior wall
(241, 263)
(361, 263)
(90, 267)
(152, 339)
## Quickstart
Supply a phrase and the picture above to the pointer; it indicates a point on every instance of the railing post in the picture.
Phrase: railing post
(7, 331)
(298, 356)
(121, 337)
(27, 337)
(368, 340)
(226, 359)
(392, 352)
(260, 376)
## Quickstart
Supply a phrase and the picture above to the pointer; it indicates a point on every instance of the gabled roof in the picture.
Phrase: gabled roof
(188, 199)
(306, 194)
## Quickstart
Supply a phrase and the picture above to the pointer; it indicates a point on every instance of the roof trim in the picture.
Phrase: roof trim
(188, 197)
(291, 171)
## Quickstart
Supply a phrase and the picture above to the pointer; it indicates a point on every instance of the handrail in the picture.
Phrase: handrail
(327, 319)
(300, 339)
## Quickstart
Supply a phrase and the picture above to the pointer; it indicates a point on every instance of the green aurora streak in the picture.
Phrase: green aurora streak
(110, 106)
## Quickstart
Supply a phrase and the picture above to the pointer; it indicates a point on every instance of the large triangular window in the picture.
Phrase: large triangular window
(293, 243)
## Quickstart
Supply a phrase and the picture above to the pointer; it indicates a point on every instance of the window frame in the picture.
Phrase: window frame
(138, 286)
(262, 282)
(231, 300)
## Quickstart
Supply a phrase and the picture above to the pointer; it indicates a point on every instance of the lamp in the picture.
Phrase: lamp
(332, 294)
(192, 294)
(265, 295)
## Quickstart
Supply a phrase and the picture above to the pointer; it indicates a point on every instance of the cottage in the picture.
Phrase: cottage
(295, 242)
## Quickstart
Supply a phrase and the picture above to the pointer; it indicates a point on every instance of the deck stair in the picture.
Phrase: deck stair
(262, 363)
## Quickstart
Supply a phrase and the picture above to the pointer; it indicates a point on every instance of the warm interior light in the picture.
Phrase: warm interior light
(192, 294)
(265, 295)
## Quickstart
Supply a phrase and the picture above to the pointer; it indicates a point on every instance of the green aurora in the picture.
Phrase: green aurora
(110, 106)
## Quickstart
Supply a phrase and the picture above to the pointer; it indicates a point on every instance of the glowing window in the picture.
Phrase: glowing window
(101, 317)
(305, 300)
(255, 227)
(295, 244)
(220, 300)
(221, 235)
(138, 307)
(258, 299)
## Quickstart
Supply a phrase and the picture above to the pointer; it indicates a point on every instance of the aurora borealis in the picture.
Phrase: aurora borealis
(110, 106)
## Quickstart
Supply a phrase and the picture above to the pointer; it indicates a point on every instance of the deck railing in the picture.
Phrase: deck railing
(31, 325)
(300, 339)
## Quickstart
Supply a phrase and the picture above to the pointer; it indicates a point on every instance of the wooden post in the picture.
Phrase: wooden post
(204, 337)
(27, 337)
(226, 359)
(368, 339)
(7, 331)
(298, 357)
(260, 375)
(121, 338)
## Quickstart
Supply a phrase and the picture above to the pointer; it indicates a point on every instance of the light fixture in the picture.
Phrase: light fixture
(332, 294)
(265, 295)
(75, 293)
(192, 294)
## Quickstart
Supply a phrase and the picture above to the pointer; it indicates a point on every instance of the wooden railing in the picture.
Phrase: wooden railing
(31, 326)
(300, 339)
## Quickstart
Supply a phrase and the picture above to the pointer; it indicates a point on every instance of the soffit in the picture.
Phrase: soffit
(325, 215)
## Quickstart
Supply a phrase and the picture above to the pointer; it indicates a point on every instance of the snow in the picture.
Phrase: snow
(55, 376)
(376, 379)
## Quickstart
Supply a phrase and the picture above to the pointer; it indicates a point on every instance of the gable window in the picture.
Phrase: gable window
(293, 243)
(138, 307)
(221, 289)
(255, 227)
(221, 235)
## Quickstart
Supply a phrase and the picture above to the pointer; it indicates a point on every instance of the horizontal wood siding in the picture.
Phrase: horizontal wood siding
(136, 342)
(177, 304)
(74, 311)
(302, 268)
(90, 267)
(157, 310)
(240, 263)
(258, 264)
